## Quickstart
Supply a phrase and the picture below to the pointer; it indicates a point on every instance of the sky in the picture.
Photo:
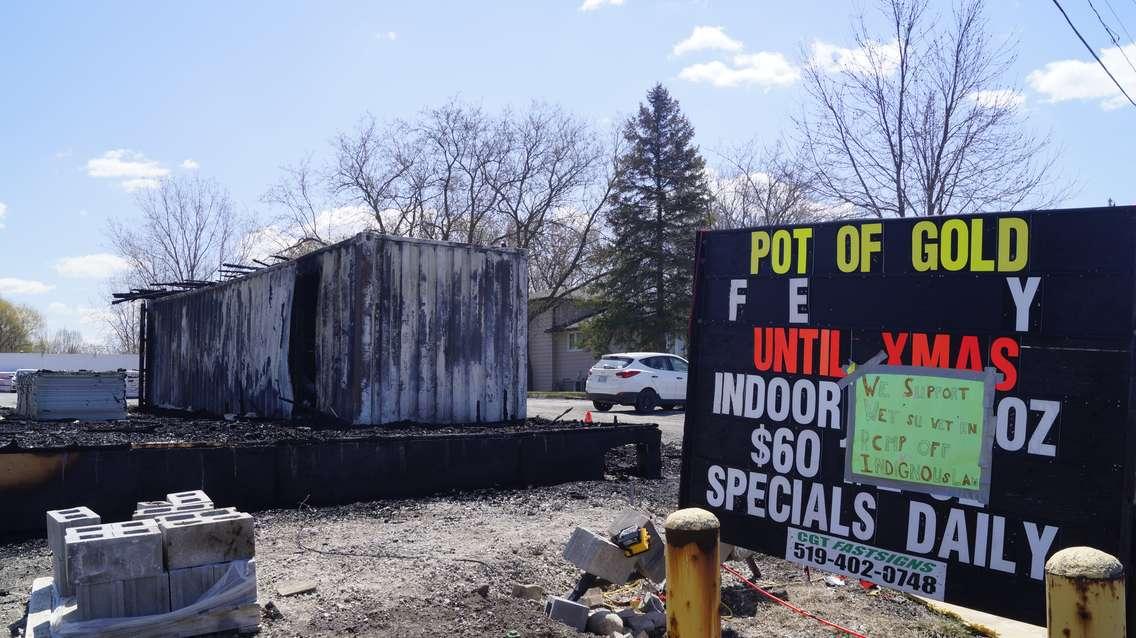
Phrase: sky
(99, 100)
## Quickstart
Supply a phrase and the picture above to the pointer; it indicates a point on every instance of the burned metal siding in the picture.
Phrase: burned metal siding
(224, 350)
(372, 330)
(451, 326)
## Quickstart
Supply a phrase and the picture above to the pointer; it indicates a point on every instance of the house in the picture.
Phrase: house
(558, 359)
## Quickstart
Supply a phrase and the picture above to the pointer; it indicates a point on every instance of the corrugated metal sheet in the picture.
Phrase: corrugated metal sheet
(90, 396)
(372, 330)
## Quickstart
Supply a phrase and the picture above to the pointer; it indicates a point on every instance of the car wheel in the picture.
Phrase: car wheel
(646, 401)
(602, 406)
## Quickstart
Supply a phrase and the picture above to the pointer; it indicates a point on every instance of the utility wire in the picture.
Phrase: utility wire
(1112, 35)
(1119, 21)
(1094, 53)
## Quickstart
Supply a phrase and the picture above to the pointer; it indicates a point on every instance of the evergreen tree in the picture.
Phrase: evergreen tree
(661, 198)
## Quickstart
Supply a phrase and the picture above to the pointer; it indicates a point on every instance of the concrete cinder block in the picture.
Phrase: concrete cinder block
(166, 510)
(599, 556)
(204, 540)
(121, 598)
(58, 522)
(569, 612)
(148, 504)
(189, 583)
(651, 563)
(193, 497)
(114, 551)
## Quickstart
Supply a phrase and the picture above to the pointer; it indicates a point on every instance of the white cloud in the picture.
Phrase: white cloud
(998, 98)
(133, 168)
(96, 266)
(59, 308)
(131, 185)
(14, 286)
(64, 154)
(764, 68)
(3, 212)
(592, 5)
(835, 59)
(83, 212)
(387, 35)
(332, 225)
(1066, 80)
(190, 165)
(707, 38)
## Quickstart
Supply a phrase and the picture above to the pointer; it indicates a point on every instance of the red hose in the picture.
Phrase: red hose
(791, 606)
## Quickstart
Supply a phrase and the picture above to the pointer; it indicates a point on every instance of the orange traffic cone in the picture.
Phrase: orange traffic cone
(588, 416)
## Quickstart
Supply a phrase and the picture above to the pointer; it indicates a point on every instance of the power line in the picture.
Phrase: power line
(1119, 21)
(1094, 53)
(1112, 35)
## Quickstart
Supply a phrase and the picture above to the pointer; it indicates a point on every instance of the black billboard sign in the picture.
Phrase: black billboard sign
(936, 405)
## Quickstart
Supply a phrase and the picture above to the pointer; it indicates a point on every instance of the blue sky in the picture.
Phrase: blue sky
(99, 98)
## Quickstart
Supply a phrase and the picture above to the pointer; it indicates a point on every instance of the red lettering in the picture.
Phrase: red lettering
(785, 353)
(1000, 350)
(969, 358)
(894, 346)
(808, 338)
(762, 357)
(937, 356)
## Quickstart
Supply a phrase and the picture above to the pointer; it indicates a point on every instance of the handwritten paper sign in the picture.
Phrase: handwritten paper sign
(922, 429)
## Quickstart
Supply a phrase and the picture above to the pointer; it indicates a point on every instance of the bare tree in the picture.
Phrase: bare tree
(536, 180)
(66, 341)
(920, 120)
(373, 169)
(188, 227)
(755, 186)
(302, 193)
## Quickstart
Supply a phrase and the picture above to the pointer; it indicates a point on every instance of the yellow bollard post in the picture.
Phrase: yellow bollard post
(1084, 594)
(694, 581)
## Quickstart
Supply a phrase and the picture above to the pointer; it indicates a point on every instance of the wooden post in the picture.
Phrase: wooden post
(694, 580)
(1084, 594)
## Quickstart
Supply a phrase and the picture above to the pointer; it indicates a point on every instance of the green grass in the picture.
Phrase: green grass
(556, 395)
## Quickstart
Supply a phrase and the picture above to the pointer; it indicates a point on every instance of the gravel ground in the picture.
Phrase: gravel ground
(445, 565)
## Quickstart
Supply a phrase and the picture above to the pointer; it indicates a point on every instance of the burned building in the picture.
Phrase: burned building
(372, 330)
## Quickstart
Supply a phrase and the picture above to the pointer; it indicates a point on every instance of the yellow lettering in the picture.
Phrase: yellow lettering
(758, 249)
(953, 248)
(781, 247)
(1012, 231)
(847, 248)
(870, 244)
(978, 263)
(802, 235)
(924, 257)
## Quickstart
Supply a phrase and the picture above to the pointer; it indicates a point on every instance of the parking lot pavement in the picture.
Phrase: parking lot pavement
(670, 421)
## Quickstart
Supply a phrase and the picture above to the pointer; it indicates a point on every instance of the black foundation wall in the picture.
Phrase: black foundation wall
(110, 480)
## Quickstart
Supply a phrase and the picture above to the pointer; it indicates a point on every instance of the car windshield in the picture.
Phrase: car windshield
(613, 362)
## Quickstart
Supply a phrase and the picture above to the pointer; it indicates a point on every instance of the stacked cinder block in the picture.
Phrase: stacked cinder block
(116, 569)
(58, 522)
(200, 547)
(163, 560)
(177, 503)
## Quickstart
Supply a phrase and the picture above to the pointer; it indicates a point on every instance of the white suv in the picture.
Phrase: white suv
(645, 380)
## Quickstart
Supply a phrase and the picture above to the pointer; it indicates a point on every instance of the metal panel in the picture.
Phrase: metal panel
(224, 349)
(90, 396)
(372, 330)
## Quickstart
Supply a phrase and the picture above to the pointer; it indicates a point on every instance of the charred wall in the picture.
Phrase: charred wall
(372, 330)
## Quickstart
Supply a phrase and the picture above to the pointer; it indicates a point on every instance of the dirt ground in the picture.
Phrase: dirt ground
(445, 566)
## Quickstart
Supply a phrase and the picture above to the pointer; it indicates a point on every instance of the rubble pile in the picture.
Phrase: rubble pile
(623, 573)
(180, 567)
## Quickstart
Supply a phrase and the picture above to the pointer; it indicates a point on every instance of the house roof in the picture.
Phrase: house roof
(568, 325)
